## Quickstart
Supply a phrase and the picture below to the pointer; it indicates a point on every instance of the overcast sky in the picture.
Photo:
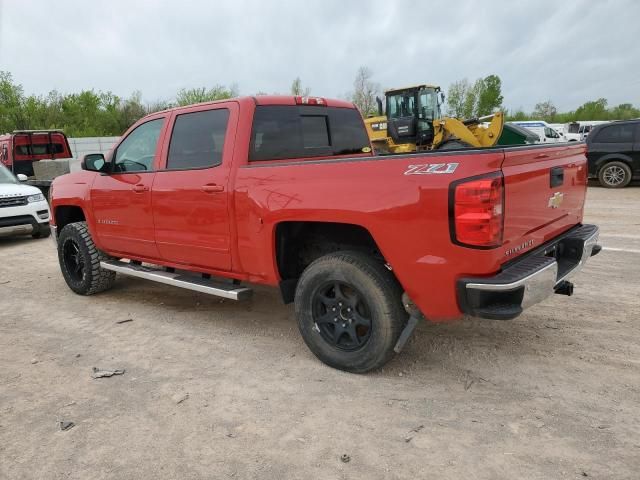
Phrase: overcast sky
(566, 51)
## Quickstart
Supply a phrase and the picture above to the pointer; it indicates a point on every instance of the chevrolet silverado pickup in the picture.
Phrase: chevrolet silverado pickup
(285, 191)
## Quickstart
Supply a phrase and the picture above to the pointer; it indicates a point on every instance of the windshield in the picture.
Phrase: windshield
(428, 104)
(6, 176)
(401, 104)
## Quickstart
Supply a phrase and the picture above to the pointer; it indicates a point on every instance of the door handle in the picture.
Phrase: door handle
(139, 188)
(212, 188)
(541, 155)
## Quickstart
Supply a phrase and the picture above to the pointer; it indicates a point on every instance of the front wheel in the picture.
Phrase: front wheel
(615, 175)
(349, 311)
(80, 261)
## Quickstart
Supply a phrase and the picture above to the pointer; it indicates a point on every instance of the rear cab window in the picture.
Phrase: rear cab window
(286, 131)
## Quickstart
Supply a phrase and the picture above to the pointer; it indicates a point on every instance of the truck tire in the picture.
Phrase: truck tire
(349, 311)
(614, 175)
(80, 261)
(43, 231)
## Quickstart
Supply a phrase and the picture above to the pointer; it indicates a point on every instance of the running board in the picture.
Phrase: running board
(190, 282)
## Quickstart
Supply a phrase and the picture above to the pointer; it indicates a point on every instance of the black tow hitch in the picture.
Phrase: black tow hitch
(564, 288)
(415, 315)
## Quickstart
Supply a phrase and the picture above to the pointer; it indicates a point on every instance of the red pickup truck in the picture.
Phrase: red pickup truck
(286, 191)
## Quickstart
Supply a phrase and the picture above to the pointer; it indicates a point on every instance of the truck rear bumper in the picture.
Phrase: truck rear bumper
(530, 278)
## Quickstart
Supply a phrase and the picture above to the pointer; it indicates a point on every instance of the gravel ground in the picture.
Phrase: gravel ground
(217, 389)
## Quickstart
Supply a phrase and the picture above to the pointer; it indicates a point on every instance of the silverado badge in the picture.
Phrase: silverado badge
(555, 200)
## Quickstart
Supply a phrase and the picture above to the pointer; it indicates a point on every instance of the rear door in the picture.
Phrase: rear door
(545, 188)
(191, 190)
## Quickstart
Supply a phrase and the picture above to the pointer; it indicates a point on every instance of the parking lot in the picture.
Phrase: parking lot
(217, 389)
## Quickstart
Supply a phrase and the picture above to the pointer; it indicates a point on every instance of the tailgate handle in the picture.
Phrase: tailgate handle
(557, 177)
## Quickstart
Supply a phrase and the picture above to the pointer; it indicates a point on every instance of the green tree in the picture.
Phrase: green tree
(489, 95)
(545, 110)
(296, 88)
(11, 100)
(199, 95)
(593, 110)
(624, 111)
(457, 98)
(517, 115)
(365, 91)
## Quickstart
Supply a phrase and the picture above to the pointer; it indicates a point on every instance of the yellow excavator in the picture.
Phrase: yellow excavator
(412, 121)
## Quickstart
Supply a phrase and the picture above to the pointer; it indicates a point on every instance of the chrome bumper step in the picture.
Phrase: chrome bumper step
(177, 279)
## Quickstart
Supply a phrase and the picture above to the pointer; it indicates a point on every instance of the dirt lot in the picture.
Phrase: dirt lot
(217, 389)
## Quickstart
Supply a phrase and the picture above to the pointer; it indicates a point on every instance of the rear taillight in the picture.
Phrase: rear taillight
(477, 211)
(311, 101)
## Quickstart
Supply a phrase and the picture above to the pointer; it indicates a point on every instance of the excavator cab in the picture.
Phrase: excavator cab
(413, 122)
(410, 114)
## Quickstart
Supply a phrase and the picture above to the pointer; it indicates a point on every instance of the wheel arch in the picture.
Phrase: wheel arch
(613, 157)
(66, 214)
(298, 243)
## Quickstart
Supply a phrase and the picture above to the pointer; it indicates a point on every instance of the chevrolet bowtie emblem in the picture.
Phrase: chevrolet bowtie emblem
(555, 200)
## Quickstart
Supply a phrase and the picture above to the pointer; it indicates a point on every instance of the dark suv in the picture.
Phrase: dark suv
(613, 150)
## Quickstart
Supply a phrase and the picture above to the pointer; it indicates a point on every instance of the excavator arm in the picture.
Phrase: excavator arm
(469, 132)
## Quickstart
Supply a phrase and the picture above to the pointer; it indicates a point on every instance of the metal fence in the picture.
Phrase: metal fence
(82, 146)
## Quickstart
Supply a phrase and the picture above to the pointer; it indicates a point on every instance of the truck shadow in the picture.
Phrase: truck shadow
(457, 347)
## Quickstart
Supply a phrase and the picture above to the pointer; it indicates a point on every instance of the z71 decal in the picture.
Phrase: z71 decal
(429, 168)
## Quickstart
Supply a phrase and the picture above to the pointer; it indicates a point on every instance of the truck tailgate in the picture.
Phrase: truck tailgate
(545, 189)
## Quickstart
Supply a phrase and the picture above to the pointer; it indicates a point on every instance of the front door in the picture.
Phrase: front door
(121, 199)
(190, 196)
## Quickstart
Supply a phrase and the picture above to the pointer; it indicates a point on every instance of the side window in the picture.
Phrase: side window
(197, 139)
(136, 152)
(616, 134)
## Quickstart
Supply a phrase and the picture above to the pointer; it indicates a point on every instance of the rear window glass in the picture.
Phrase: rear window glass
(616, 134)
(40, 149)
(281, 131)
(197, 139)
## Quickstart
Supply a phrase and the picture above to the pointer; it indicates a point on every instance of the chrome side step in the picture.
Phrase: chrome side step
(190, 282)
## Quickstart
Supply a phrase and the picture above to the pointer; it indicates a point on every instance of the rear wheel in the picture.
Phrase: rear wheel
(615, 175)
(80, 261)
(453, 145)
(349, 311)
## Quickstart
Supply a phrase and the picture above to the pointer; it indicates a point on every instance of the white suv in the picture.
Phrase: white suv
(23, 208)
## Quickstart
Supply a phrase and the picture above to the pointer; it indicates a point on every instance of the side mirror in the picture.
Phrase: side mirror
(93, 162)
(442, 97)
(22, 177)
